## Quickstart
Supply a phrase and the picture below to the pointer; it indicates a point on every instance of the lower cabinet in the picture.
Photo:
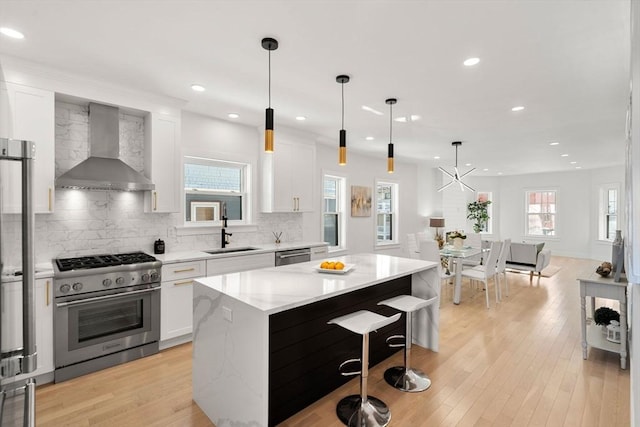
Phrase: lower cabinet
(319, 252)
(176, 300)
(12, 322)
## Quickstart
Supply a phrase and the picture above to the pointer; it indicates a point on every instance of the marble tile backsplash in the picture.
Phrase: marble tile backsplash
(93, 222)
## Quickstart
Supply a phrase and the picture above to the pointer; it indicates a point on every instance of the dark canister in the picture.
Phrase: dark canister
(158, 246)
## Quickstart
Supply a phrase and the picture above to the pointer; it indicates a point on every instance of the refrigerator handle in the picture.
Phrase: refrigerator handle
(29, 361)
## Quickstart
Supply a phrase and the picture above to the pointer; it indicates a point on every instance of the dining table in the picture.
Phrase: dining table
(456, 256)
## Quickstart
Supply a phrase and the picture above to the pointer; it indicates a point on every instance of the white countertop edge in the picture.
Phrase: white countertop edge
(299, 272)
(198, 255)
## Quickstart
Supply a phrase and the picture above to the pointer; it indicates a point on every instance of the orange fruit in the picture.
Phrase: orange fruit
(339, 266)
(325, 264)
(331, 266)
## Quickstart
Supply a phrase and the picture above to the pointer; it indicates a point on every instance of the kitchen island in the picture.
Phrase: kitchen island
(262, 349)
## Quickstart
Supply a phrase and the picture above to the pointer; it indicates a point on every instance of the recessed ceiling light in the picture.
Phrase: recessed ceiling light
(436, 157)
(301, 118)
(10, 32)
(573, 163)
(233, 115)
(578, 167)
(369, 138)
(554, 143)
(197, 88)
(371, 110)
(470, 62)
(499, 173)
(564, 155)
(400, 119)
(518, 108)
(467, 164)
(485, 169)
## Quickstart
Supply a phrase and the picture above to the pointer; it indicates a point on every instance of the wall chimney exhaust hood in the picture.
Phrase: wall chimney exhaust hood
(103, 170)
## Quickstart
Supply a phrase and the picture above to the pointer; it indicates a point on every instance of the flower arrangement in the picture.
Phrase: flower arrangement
(457, 234)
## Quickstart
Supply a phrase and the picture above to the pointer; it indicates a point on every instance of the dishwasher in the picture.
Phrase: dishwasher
(293, 256)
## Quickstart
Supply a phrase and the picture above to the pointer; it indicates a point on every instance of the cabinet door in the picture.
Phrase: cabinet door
(283, 187)
(29, 113)
(12, 322)
(176, 302)
(162, 163)
(239, 263)
(319, 252)
(11, 316)
(302, 177)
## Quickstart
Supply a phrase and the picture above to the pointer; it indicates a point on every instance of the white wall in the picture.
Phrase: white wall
(363, 171)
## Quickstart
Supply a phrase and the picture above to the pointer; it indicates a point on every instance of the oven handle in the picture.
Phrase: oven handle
(106, 297)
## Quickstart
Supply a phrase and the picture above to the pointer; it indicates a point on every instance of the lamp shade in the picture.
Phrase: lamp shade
(436, 222)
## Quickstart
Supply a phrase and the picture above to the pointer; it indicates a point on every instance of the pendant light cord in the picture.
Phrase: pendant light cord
(390, 121)
(456, 156)
(342, 84)
(269, 79)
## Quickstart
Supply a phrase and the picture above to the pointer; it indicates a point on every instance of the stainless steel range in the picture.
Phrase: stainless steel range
(107, 311)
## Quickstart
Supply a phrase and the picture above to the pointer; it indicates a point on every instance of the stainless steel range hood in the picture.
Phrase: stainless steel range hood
(103, 170)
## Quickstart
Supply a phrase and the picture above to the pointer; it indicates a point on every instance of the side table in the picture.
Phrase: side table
(595, 286)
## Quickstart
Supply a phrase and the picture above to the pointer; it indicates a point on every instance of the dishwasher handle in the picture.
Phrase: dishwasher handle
(289, 255)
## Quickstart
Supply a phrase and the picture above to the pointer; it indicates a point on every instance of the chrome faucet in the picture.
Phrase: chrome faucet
(224, 236)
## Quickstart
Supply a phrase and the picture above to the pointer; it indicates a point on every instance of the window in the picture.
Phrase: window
(333, 218)
(608, 215)
(213, 189)
(386, 212)
(541, 213)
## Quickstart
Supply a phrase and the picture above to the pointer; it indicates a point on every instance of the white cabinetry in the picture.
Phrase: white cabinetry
(29, 113)
(287, 177)
(238, 263)
(176, 300)
(162, 163)
(12, 322)
(319, 252)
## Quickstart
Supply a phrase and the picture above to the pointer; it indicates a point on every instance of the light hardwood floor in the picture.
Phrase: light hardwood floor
(516, 364)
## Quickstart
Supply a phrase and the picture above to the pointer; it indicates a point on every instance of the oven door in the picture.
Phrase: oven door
(101, 325)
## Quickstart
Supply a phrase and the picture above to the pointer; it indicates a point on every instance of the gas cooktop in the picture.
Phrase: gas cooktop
(99, 261)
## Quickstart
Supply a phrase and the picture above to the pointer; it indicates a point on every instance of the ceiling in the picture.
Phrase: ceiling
(566, 62)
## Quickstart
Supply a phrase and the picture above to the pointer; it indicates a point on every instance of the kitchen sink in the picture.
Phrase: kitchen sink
(230, 250)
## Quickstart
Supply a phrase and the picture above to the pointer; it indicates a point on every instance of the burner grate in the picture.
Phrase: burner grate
(98, 261)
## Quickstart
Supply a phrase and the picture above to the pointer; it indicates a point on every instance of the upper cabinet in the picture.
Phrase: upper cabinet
(287, 177)
(29, 113)
(162, 163)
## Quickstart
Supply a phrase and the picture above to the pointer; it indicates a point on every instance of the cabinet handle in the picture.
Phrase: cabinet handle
(47, 288)
(186, 282)
(184, 270)
(50, 209)
(155, 200)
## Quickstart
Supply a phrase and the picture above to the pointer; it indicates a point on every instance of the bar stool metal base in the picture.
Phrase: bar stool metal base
(374, 413)
(411, 380)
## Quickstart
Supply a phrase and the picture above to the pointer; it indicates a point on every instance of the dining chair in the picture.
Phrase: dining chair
(412, 246)
(502, 267)
(429, 251)
(484, 273)
(475, 241)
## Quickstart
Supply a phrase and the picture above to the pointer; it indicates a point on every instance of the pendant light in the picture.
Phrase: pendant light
(269, 44)
(390, 166)
(342, 153)
(455, 176)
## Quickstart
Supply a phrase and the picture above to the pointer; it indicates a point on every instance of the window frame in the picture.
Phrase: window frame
(395, 191)
(341, 209)
(603, 211)
(527, 233)
(245, 191)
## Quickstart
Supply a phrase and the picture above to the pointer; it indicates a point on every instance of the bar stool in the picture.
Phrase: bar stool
(405, 377)
(363, 410)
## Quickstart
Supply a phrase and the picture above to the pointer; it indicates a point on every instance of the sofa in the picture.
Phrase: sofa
(529, 257)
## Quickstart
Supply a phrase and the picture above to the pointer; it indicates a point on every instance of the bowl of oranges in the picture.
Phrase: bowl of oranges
(334, 267)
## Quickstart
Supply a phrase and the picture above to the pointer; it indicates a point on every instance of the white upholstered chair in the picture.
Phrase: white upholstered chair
(484, 273)
(475, 241)
(501, 268)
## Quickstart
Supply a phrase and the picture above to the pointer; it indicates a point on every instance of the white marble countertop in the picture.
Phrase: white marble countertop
(195, 255)
(275, 289)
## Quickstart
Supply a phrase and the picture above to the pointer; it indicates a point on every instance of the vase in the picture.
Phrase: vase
(617, 252)
(457, 243)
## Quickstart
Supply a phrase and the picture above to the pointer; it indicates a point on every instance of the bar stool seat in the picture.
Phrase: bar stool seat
(405, 377)
(363, 410)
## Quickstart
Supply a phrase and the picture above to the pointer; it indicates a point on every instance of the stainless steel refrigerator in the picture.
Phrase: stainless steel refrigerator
(17, 390)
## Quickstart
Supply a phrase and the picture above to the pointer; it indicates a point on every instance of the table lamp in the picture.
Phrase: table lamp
(437, 223)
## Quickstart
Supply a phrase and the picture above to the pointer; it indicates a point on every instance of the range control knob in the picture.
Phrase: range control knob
(145, 277)
(65, 288)
(107, 282)
(120, 280)
(77, 286)
(154, 276)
